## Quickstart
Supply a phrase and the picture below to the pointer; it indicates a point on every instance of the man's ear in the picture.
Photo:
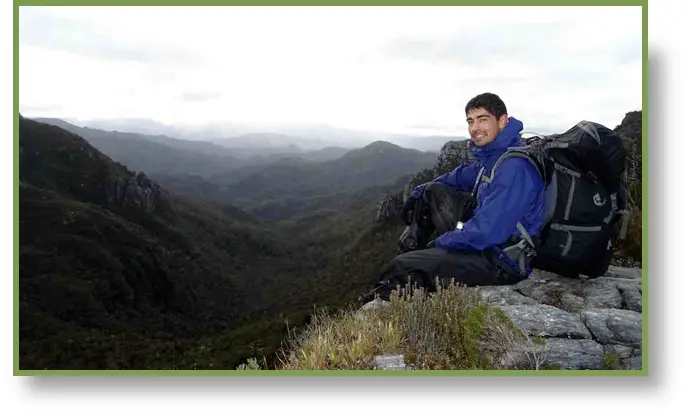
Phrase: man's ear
(502, 121)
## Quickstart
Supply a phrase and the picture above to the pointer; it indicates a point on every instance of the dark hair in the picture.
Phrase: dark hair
(489, 101)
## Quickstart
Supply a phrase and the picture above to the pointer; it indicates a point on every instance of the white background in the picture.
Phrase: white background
(662, 393)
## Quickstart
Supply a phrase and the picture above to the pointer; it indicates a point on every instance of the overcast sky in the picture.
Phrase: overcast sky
(397, 69)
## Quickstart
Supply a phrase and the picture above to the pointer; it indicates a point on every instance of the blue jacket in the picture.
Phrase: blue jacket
(516, 194)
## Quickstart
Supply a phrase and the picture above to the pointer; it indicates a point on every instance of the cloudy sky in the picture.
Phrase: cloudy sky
(406, 69)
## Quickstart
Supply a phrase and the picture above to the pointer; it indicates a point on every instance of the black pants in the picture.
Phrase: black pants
(437, 210)
(444, 206)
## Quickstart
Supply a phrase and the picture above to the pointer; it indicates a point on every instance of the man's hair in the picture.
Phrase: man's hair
(489, 101)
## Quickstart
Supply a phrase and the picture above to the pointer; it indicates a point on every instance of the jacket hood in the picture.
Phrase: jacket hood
(510, 136)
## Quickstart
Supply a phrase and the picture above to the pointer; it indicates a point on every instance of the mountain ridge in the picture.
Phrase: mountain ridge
(98, 259)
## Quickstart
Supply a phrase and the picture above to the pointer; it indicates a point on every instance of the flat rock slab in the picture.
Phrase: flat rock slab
(573, 354)
(601, 293)
(558, 353)
(614, 326)
(547, 321)
(624, 272)
(576, 295)
(564, 293)
(504, 295)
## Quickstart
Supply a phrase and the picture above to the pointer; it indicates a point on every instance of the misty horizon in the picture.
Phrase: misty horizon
(307, 137)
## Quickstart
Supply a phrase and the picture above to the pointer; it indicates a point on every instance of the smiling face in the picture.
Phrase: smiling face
(483, 126)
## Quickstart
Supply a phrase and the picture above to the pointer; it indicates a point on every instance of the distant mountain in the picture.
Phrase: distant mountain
(326, 154)
(273, 141)
(385, 156)
(425, 143)
(294, 154)
(278, 191)
(197, 146)
(156, 154)
(181, 157)
(141, 126)
(240, 136)
(305, 140)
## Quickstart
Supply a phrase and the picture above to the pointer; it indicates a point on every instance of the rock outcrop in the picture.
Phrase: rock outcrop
(452, 154)
(58, 160)
(574, 323)
(134, 191)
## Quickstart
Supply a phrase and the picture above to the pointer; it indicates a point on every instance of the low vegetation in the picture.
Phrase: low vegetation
(448, 329)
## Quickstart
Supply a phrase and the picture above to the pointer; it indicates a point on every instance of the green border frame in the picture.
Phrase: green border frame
(204, 373)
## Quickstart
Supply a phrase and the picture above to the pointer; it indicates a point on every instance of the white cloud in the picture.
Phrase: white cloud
(385, 68)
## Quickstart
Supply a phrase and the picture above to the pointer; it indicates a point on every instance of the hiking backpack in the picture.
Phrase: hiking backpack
(582, 169)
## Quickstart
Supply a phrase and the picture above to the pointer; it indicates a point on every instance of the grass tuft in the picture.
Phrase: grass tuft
(447, 329)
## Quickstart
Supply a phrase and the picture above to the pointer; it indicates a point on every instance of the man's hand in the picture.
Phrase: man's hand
(408, 210)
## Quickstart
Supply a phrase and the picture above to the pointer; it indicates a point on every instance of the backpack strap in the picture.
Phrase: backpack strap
(478, 181)
(518, 251)
(514, 152)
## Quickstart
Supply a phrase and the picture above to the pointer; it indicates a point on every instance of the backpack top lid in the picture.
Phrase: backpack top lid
(587, 147)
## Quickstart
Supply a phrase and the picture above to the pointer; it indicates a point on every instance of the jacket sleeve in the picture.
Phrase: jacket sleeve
(511, 194)
(461, 178)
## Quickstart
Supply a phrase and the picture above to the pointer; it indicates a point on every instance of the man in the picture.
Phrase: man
(496, 243)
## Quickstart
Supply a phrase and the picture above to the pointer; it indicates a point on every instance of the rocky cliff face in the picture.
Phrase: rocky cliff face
(630, 130)
(452, 154)
(55, 159)
(573, 323)
(136, 191)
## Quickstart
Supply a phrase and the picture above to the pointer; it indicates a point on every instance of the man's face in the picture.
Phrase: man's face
(483, 126)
